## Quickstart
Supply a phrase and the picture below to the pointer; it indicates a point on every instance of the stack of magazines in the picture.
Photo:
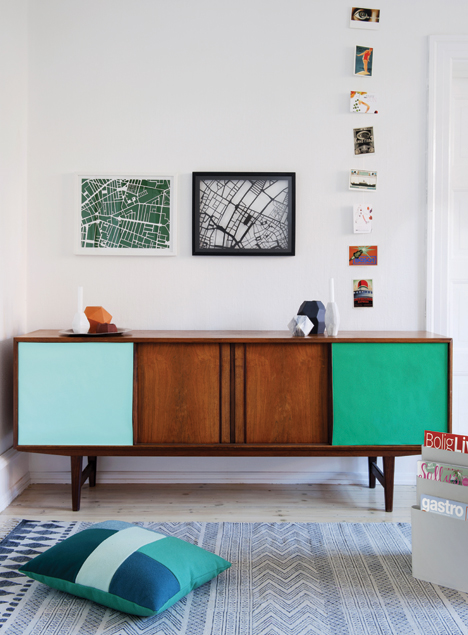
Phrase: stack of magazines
(439, 539)
(450, 473)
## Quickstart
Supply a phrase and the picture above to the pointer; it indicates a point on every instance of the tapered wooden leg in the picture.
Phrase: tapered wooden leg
(371, 460)
(79, 476)
(92, 461)
(385, 478)
(389, 476)
(76, 473)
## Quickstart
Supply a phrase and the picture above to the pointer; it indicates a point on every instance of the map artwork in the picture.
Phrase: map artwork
(251, 214)
(125, 214)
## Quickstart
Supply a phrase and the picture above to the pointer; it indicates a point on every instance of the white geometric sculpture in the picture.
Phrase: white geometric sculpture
(300, 326)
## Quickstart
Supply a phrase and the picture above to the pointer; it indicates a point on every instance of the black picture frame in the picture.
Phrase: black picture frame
(238, 201)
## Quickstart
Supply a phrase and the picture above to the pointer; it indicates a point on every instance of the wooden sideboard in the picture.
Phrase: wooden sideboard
(230, 393)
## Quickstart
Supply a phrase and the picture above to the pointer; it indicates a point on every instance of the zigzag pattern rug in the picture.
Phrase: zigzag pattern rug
(286, 579)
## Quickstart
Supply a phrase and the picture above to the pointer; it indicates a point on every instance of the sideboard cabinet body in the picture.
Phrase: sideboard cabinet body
(230, 394)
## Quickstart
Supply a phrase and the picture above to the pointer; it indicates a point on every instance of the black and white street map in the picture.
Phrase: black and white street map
(244, 214)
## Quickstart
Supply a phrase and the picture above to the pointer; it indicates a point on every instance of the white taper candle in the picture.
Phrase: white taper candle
(332, 290)
(80, 299)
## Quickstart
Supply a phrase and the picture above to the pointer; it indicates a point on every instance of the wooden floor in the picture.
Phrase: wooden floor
(215, 503)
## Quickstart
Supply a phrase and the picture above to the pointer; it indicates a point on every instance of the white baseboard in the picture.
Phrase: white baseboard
(14, 476)
(165, 477)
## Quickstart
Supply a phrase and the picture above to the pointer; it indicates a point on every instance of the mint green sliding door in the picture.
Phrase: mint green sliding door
(385, 394)
(75, 393)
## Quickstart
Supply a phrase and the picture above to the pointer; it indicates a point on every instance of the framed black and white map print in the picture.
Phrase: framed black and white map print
(244, 213)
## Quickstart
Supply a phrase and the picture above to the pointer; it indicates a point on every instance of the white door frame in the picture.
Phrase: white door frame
(443, 51)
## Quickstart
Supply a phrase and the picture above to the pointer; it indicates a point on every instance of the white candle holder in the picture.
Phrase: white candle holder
(80, 322)
(332, 315)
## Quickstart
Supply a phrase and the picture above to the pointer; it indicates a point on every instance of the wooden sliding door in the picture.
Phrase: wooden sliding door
(183, 393)
(286, 393)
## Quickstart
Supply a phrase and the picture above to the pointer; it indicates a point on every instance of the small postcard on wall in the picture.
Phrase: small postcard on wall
(363, 102)
(362, 219)
(364, 18)
(364, 140)
(363, 61)
(363, 256)
(362, 180)
(363, 293)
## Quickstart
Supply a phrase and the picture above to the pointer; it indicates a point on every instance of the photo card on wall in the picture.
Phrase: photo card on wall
(363, 102)
(364, 140)
(364, 18)
(243, 213)
(363, 256)
(363, 180)
(362, 218)
(363, 293)
(363, 61)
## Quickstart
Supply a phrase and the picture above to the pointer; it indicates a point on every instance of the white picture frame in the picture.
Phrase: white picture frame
(147, 207)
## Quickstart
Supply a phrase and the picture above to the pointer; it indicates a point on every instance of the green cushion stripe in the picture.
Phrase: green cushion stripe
(65, 559)
(96, 595)
(388, 393)
(185, 561)
(99, 568)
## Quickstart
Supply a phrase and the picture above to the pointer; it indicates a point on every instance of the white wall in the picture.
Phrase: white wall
(13, 164)
(178, 86)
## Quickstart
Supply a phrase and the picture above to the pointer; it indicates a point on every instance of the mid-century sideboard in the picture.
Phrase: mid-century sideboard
(231, 393)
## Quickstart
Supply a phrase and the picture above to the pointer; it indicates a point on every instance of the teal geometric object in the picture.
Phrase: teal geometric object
(75, 393)
(388, 394)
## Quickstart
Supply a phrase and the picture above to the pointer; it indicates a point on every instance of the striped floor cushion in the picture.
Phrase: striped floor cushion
(125, 567)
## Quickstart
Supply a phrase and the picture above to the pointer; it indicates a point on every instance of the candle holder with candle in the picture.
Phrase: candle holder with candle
(332, 315)
(80, 322)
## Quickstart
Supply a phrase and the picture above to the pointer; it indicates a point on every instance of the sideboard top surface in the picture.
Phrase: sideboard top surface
(49, 335)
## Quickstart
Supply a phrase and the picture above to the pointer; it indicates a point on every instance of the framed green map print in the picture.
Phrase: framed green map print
(126, 215)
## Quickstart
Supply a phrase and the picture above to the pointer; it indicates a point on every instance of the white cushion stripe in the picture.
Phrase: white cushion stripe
(99, 567)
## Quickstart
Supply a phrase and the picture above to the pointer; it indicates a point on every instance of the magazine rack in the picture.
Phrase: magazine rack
(440, 543)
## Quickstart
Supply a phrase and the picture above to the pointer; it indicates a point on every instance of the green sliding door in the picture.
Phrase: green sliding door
(388, 394)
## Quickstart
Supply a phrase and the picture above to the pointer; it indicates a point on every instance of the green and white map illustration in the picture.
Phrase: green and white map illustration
(125, 213)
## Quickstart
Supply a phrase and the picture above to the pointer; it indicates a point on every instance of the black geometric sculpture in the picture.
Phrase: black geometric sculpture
(315, 311)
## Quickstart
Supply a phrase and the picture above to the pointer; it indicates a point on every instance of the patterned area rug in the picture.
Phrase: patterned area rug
(286, 579)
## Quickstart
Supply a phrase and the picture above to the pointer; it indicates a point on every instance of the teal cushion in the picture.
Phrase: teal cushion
(125, 567)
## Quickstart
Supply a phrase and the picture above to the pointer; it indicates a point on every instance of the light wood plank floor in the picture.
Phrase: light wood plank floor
(214, 503)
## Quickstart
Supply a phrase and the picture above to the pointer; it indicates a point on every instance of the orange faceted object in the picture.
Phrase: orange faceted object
(97, 315)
